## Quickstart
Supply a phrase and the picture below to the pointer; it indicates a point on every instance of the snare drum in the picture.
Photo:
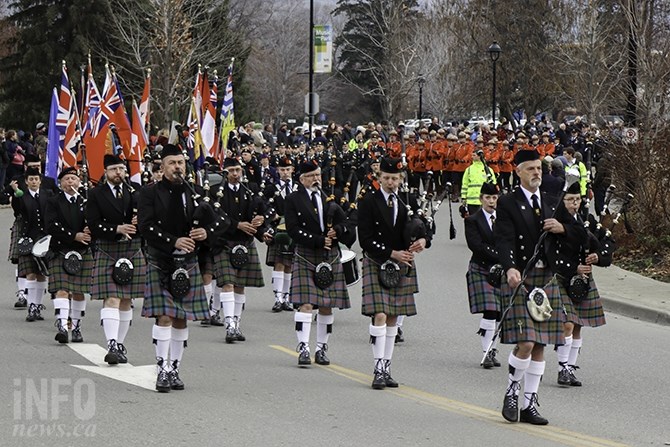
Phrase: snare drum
(350, 267)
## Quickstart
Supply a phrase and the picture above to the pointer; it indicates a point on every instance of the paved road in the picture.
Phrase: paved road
(252, 393)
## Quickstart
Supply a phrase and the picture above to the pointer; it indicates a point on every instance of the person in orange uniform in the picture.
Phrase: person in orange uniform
(506, 165)
(393, 146)
(463, 159)
(434, 159)
(547, 146)
(493, 155)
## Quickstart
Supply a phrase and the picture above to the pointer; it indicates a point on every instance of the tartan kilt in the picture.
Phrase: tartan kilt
(590, 312)
(518, 326)
(378, 299)
(27, 265)
(248, 276)
(205, 262)
(59, 279)
(106, 255)
(274, 255)
(158, 301)
(303, 289)
(15, 231)
(481, 295)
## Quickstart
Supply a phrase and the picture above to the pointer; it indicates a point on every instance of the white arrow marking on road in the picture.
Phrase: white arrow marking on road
(142, 376)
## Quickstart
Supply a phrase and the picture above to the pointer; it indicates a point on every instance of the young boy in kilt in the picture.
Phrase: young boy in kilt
(483, 297)
(247, 215)
(382, 221)
(278, 256)
(29, 207)
(165, 221)
(111, 212)
(316, 226)
(522, 216)
(575, 254)
(71, 239)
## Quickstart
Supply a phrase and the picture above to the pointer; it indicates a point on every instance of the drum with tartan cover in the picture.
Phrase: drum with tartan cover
(378, 299)
(107, 253)
(303, 288)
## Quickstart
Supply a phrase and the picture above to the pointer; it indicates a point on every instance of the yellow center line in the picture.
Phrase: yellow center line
(548, 432)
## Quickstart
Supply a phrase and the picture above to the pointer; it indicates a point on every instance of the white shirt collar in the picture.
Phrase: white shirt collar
(69, 197)
(528, 195)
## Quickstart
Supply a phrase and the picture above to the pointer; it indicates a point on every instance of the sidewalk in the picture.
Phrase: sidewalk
(633, 295)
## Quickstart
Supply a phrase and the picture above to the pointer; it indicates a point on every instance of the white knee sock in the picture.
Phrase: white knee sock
(574, 351)
(110, 322)
(77, 311)
(277, 283)
(161, 336)
(208, 293)
(40, 288)
(517, 367)
(21, 284)
(324, 326)
(62, 308)
(391, 332)
(216, 298)
(30, 291)
(287, 283)
(531, 380)
(400, 320)
(489, 328)
(178, 340)
(240, 299)
(378, 341)
(563, 352)
(228, 303)
(125, 320)
(303, 326)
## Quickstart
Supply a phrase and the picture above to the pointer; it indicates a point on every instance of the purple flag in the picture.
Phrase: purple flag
(53, 163)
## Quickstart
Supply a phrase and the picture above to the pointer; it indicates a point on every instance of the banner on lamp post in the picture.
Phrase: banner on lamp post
(323, 48)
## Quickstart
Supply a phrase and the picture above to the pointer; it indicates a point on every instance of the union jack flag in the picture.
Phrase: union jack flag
(108, 106)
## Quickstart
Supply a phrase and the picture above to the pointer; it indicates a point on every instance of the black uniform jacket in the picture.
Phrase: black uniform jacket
(154, 210)
(64, 220)
(516, 232)
(105, 212)
(240, 206)
(481, 242)
(32, 211)
(377, 234)
(302, 222)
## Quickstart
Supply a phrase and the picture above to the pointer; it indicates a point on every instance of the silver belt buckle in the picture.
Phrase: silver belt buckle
(540, 264)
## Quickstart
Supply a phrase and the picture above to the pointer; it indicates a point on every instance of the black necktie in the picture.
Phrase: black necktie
(315, 202)
(73, 200)
(391, 204)
(287, 188)
(37, 196)
(536, 209)
(119, 193)
(493, 222)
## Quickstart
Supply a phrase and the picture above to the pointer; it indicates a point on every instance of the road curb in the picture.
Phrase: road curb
(632, 309)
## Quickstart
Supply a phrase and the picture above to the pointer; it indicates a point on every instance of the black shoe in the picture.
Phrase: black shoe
(206, 322)
(175, 382)
(32, 312)
(320, 357)
(121, 353)
(303, 357)
(399, 337)
(239, 336)
(286, 305)
(390, 383)
(510, 410)
(496, 363)
(379, 381)
(488, 361)
(76, 335)
(277, 307)
(61, 335)
(112, 358)
(531, 415)
(564, 377)
(21, 301)
(216, 319)
(573, 378)
(163, 379)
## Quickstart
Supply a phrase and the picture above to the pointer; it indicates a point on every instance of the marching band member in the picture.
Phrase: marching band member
(30, 207)
(316, 226)
(382, 222)
(73, 262)
(174, 291)
(237, 266)
(483, 297)
(521, 217)
(120, 269)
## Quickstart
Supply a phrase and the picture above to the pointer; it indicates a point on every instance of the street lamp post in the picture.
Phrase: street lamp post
(421, 81)
(494, 52)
